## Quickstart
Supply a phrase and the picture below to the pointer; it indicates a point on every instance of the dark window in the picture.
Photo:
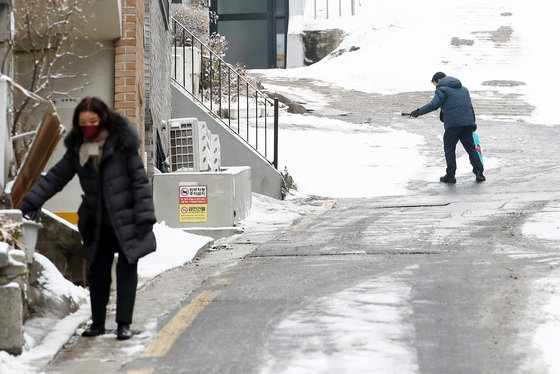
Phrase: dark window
(242, 6)
(255, 29)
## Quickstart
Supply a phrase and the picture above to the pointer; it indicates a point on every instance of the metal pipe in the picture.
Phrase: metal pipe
(220, 87)
(229, 97)
(175, 48)
(275, 159)
(247, 113)
(257, 119)
(201, 73)
(210, 69)
(315, 9)
(192, 66)
(265, 127)
(183, 56)
(238, 106)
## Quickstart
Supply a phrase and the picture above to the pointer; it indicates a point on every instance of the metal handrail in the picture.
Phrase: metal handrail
(211, 90)
(340, 2)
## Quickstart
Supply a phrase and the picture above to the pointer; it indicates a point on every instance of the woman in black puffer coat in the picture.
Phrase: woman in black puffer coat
(117, 211)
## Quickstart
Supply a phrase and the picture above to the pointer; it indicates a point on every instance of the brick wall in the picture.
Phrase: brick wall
(129, 67)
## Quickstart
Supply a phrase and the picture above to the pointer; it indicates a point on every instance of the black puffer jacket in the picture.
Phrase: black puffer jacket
(120, 183)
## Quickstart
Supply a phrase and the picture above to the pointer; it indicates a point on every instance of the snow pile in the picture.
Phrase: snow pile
(349, 160)
(398, 45)
(9, 365)
(52, 297)
(57, 295)
(174, 248)
(269, 214)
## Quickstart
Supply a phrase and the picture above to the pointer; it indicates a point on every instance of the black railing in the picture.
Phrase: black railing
(224, 92)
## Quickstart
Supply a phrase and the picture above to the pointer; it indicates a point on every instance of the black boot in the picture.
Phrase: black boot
(123, 331)
(480, 177)
(448, 178)
(94, 330)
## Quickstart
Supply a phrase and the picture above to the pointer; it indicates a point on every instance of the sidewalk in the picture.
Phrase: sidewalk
(48, 335)
(180, 265)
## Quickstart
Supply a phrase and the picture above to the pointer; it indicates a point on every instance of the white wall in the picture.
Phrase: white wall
(98, 80)
(295, 55)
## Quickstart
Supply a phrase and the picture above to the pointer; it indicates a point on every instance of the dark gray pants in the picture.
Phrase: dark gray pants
(99, 280)
(450, 139)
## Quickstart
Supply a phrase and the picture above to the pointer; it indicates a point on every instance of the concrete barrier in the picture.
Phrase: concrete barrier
(11, 323)
(211, 203)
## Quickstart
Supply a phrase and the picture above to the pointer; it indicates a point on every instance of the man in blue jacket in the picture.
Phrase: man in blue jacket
(457, 115)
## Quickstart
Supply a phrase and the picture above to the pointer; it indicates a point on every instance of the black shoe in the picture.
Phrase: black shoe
(123, 331)
(448, 179)
(480, 177)
(93, 330)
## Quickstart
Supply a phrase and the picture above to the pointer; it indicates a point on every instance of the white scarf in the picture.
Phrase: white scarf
(93, 149)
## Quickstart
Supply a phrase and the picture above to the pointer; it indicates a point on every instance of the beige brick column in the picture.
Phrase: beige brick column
(129, 67)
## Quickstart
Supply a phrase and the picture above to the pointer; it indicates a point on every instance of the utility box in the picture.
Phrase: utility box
(203, 200)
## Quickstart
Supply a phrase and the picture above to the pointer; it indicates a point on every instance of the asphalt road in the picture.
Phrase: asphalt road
(438, 281)
(449, 261)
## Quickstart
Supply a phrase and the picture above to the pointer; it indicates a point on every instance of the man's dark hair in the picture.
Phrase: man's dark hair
(437, 76)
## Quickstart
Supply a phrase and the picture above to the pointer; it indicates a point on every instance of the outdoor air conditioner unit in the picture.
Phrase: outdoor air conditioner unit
(204, 137)
(189, 145)
(183, 144)
(215, 153)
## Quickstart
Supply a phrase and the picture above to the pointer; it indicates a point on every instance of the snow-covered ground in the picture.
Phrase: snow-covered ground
(401, 44)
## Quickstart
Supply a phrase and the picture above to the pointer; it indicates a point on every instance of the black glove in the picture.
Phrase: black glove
(26, 207)
(33, 215)
(415, 113)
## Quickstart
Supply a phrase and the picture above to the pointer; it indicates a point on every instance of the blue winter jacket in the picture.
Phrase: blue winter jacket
(455, 103)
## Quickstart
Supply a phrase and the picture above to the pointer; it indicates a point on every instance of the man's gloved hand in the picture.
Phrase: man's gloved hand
(415, 113)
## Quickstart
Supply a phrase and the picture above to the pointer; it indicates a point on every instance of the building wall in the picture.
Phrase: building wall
(95, 78)
(157, 74)
(129, 67)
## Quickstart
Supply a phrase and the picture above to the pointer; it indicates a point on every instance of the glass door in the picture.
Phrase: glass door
(255, 30)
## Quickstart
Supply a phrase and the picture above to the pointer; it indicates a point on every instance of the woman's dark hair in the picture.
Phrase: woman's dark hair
(97, 106)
